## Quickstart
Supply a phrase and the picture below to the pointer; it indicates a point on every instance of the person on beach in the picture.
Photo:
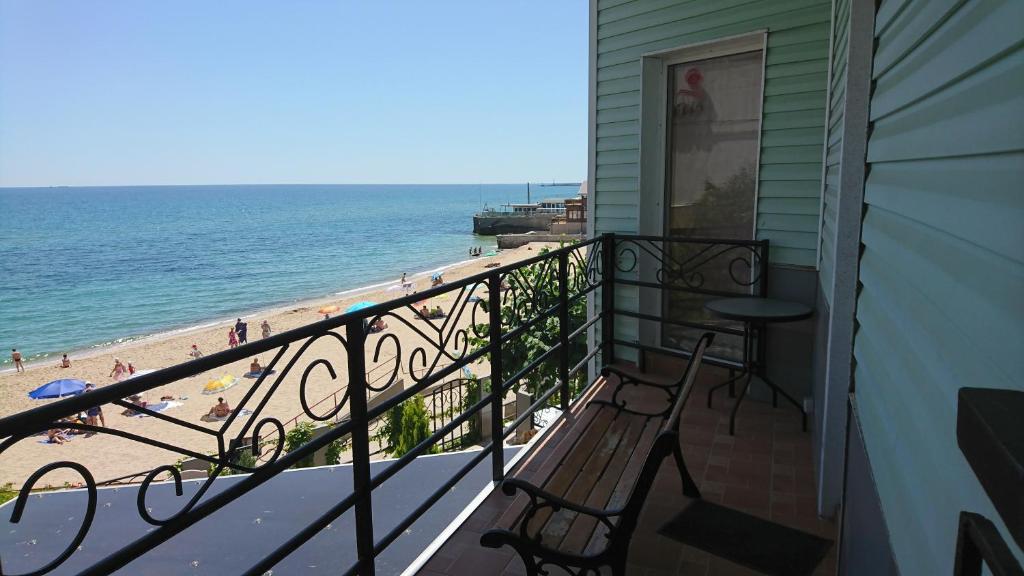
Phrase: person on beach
(56, 436)
(378, 326)
(265, 327)
(95, 413)
(65, 362)
(195, 353)
(232, 338)
(131, 369)
(16, 357)
(406, 284)
(242, 329)
(220, 410)
(254, 367)
(118, 371)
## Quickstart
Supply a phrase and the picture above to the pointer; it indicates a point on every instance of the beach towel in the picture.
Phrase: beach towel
(211, 418)
(257, 374)
(158, 407)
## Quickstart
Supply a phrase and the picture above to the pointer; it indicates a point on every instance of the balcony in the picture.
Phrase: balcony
(529, 335)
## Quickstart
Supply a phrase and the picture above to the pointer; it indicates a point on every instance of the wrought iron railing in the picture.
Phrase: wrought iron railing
(540, 300)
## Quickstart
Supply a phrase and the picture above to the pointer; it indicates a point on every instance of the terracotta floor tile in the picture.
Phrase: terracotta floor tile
(766, 470)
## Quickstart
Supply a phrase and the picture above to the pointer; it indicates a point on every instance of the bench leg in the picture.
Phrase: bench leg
(690, 489)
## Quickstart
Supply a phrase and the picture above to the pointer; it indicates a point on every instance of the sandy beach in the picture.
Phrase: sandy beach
(108, 456)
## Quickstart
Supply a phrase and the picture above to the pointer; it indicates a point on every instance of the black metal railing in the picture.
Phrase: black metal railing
(520, 320)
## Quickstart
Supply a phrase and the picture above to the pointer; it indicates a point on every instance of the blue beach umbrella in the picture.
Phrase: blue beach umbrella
(58, 389)
(360, 306)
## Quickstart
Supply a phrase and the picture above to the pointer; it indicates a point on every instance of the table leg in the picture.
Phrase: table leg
(733, 377)
(736, 407)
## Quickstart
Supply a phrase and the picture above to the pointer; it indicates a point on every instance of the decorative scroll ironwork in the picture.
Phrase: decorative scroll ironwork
(742, 260)
(540, 289)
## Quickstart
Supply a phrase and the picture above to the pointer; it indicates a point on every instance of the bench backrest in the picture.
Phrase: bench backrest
(689, 378)
(663, 446)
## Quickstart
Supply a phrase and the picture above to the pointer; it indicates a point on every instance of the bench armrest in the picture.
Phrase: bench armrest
(539, 499)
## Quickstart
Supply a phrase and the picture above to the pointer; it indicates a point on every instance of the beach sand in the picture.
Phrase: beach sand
(108, 456)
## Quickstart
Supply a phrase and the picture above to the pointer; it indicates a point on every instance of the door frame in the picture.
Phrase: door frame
(654, 145)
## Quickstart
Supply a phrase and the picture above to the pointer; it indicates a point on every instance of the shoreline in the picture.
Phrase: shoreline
(126, 342)
(114, 455)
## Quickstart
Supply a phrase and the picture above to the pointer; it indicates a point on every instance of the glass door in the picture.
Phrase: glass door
(713, 140)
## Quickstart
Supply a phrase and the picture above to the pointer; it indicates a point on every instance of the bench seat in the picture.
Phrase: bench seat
(579, 507)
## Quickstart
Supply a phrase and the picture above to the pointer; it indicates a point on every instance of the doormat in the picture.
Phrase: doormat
(756, 543)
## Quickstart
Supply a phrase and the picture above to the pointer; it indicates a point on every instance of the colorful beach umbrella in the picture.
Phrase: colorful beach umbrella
(328, 309)
(221, 384)
(360, 306)
(58, 389)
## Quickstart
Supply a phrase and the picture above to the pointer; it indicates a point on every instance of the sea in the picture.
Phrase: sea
(82, 268)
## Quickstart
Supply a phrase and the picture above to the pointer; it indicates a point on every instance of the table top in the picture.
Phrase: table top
(749, 308)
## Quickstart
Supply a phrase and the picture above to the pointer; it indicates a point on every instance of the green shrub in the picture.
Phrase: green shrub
(415, 427)
(7, 492)
(296, 438)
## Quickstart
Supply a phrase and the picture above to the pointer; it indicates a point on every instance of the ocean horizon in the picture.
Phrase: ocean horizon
(90, 267)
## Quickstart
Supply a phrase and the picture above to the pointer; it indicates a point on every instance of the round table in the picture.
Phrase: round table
(756, 313)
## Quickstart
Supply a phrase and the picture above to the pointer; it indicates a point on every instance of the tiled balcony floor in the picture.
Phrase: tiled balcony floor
(765, 470)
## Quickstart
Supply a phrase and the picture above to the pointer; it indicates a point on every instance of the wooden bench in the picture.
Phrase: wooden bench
(578, 510)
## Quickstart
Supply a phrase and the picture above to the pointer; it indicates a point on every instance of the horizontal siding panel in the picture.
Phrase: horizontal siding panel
(603, 5)
(613, 211)
(801, 119)
(907, 30)
(887, 13)
(624, 70)
(808, 171)
(791, 155)
(977, 290)
(794, 102)
(618, 114)
(777, 22)
(701, 15)
(618, 128)
(630, 9)
(617, 225)
(778, 189)
(618, 86)
(619, 100)
(618, 143)
(618, 157)
(691, 17)
(805, 206)
(978, 200)
(795, 84)
(791, 256)
(616, 184)
(983, 110)
(800, 52)
(799, 35)
(619, 197)
(788, 239)
(789, 222)
(618, 171)
(817, 66)
(976, 34)
(792, 137)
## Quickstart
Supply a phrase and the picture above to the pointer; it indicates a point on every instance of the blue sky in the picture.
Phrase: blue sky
(200, 92)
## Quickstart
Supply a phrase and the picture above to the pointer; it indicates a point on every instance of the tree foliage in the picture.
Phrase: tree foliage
(519, 352)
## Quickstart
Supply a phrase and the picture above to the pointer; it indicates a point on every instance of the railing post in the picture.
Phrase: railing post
(497, 381)
(563, 327)
(608, 299)
(356, 337)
